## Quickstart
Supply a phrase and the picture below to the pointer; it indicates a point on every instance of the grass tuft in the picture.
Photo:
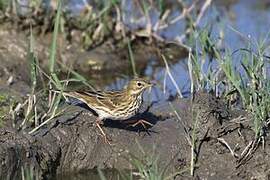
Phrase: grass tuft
(52, 59)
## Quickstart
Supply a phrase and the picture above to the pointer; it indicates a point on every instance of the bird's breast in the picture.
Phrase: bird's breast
(129, 109)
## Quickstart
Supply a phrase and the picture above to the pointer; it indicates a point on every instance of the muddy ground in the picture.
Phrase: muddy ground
(72, 144)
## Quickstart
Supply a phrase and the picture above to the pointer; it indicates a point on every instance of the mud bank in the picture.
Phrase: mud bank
(72, 144)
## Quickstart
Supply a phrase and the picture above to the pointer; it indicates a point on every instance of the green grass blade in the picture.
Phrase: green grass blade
(52, 59)
(77, 76)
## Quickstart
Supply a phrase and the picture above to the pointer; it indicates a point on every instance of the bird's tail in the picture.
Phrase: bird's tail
(73, 94)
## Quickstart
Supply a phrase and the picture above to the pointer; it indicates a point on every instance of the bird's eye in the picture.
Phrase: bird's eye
(139, 84)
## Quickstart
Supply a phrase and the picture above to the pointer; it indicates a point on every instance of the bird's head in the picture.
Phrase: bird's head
(137, 86)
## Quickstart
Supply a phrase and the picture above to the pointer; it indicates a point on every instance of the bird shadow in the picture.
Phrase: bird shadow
(130, 124)
(127, 124)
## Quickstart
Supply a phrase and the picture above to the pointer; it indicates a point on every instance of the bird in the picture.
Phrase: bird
(115, 105)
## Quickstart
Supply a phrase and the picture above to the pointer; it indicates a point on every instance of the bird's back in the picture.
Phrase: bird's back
(109, 104)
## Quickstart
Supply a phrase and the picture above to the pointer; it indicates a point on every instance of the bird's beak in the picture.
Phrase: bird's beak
(151, 84)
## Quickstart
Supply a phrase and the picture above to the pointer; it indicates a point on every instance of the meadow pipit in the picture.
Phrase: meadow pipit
(115, 105)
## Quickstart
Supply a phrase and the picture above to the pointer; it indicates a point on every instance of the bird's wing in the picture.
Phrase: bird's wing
(96, 99)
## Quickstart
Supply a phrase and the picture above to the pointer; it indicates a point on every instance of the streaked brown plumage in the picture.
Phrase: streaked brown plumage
(115, 105)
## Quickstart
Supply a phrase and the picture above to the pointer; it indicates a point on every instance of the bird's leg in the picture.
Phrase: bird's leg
(98, 122)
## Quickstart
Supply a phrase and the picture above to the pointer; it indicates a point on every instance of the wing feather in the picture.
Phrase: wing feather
(110, 100)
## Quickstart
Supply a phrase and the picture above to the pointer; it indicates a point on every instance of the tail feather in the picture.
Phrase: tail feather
(72, 94)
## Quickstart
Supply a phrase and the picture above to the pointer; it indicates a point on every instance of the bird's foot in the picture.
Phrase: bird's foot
(142, 122)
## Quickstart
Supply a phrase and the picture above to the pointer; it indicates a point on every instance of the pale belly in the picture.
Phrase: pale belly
(132, 110)
(120, 116)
